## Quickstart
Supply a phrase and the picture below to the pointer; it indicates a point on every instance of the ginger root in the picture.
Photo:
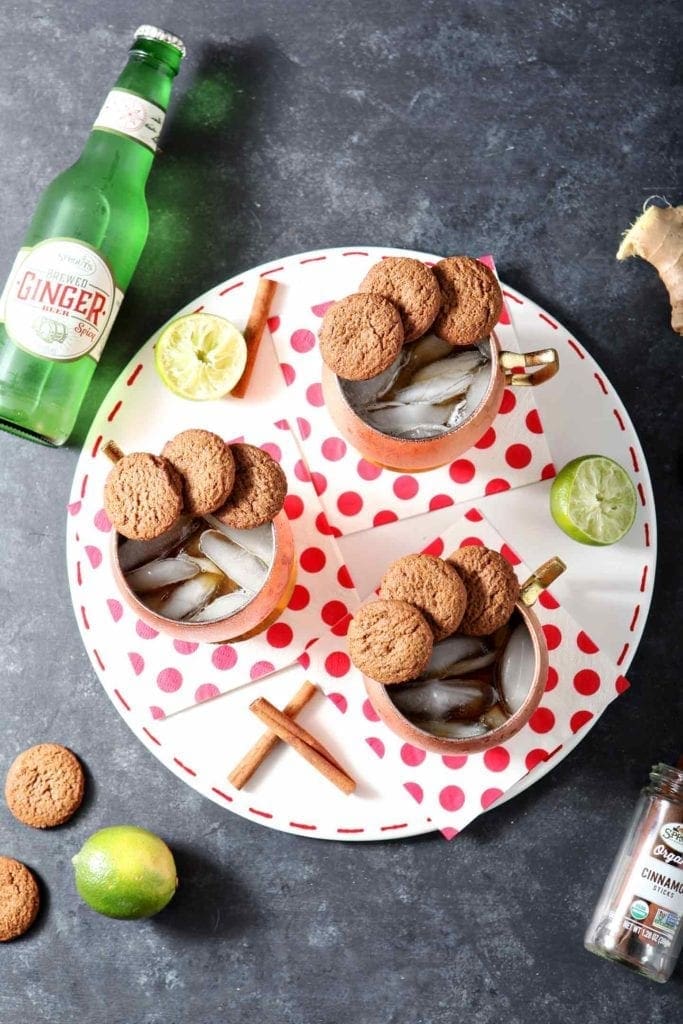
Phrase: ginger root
(657, 236)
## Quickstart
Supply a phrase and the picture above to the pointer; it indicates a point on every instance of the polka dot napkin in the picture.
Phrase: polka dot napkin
(357, 494)
(452, 790)
(170, 675)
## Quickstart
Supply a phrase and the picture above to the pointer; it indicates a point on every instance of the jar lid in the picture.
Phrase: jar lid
(152, 32)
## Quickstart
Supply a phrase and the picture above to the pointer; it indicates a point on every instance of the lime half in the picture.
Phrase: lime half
(125, 872)
(593, 500)
(200, 356)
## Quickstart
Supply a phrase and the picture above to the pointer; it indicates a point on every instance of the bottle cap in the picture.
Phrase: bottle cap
(152, 32)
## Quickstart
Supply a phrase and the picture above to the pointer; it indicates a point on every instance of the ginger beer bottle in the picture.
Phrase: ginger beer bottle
(83, 244)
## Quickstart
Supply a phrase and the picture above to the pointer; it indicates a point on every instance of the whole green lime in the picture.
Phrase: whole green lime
(125, 872)
(593, 500)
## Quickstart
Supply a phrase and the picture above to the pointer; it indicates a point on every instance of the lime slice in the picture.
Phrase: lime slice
(125, 872)
(593, 500)
(200, 356)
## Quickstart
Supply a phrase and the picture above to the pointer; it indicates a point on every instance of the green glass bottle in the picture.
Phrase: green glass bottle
(81, 249)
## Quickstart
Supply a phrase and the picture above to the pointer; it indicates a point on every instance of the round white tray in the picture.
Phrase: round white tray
(607, 589)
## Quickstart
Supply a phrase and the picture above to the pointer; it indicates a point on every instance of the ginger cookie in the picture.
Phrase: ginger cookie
(492, 589)
(411, 287)
(207, 467)
(259, 491)
(471, 300)
(143, 496)
(431, 585)
(45, 785)
(19, 899)
(390, 641)
(361, 336)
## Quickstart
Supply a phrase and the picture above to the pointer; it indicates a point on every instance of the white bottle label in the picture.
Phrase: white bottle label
(128, 114)
(60, 300)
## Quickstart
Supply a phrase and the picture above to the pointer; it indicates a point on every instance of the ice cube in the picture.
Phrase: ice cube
(162, 572)
(259, 541)
(244, 568)
(517, 667)
(190, 597)
(223, 607)
(133, 553)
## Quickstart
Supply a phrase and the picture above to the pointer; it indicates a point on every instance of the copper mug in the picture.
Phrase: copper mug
(514, 369)
(412, 733)
(264, 608)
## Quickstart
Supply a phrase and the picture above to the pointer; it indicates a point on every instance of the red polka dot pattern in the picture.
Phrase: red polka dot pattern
(383, 517)
(289, 373)
(412, 756)
(300, 598)
(585, 644)
(302, 341)
(333, 449)
(344, 578)
(496, 486)
(312, 560)
(435, 549)
(349, 503)
(332, 612)
(339, 700)
(280, 635)
(508, 402)
(169, 680)
(586, 682)
(415, 790)
(542, 720)
(224, 657)
(507, 553)
(370, 712)
(260, 669)
(553, 636)
(319, 483)
(304, 427)
(322, 526)
(535, 757)
(579, 719)
(406, 487)
(368, 470)
(337, 664)
(486, 440)
(462, 471)
(294, 506)
(440, 501)
(518, 456)
(533, 422)
(451, 798)
(314, 395)
(454, 760)
(375, 744)
(205, 692)
(273, 450)
(489, 797)
(497, 759)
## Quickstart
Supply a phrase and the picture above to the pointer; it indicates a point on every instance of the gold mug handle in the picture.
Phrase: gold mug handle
(545, 358)
(541, 579)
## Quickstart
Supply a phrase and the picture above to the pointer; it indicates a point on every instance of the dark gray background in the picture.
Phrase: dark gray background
(532, 130)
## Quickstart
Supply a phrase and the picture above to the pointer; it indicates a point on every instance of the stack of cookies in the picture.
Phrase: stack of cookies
(197, 474)
(401, 300)
(422, 601)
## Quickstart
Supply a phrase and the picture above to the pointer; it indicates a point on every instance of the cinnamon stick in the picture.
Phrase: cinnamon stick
(112, 451)
(255, 757)
(253, 332)
(305, 744)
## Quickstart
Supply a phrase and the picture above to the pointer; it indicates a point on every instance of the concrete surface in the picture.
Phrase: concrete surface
(532, 130)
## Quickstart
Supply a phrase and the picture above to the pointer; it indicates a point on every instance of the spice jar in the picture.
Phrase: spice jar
(638, 921)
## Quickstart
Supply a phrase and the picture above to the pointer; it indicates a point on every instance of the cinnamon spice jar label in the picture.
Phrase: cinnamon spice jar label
(653, 907)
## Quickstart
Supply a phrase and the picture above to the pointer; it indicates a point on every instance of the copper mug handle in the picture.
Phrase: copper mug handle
(545, 358)
(540, 580)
